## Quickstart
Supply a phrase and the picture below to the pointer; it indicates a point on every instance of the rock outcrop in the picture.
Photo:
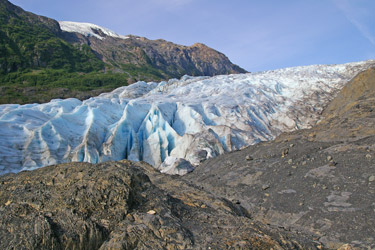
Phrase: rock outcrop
(114, 205)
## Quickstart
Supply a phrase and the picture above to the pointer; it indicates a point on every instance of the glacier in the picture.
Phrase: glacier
(172, 122)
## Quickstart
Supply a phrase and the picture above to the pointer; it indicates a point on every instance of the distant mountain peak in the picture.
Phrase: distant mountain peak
(89, 30)
(81, 50)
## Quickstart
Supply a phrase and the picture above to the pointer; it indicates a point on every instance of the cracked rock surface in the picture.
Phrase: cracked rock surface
(115, 205)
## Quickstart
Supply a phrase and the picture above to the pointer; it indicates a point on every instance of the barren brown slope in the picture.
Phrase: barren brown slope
(169, 59)
(351, 115)
(319, 181)
(114, 205)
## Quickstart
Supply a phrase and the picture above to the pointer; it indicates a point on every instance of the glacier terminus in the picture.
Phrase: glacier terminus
(173, 125)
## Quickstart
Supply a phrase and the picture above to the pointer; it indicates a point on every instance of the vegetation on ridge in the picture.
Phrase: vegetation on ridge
(40, 62)
(26, 42)
(37, 66)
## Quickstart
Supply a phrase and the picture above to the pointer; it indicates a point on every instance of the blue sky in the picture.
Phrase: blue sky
(255, 34)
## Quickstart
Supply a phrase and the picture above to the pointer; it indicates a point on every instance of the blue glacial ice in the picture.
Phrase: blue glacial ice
(193, 118)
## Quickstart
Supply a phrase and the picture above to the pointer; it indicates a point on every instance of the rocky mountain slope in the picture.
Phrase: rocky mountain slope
(42, 59)
(114, 205)
(171, 124)
(319, 181)
(171, 60)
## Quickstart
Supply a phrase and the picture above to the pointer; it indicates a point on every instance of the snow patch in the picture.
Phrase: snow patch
(89, 29)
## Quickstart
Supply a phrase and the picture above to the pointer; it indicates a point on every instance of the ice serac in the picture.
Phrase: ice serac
(193, 118)
(175, 166)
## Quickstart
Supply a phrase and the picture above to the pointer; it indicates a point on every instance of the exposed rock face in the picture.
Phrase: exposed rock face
(74, 205)
(171, 59)
(115, 206)
(318, 180)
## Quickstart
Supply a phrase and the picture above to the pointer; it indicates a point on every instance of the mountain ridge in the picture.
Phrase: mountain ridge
(39, 61)
(116, 50)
